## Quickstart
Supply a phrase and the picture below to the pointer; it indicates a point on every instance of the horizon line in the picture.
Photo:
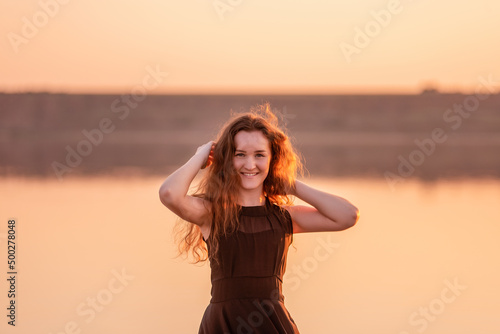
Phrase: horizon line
(428, 92)
(428, 88)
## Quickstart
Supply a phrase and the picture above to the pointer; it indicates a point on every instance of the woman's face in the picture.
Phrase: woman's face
(252, 158)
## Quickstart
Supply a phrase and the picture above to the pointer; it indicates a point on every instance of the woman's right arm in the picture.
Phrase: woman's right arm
(173, 191)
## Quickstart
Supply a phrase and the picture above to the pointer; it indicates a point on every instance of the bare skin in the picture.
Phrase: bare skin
(326, 212)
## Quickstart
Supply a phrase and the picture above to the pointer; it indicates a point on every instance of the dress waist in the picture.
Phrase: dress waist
(246, 287)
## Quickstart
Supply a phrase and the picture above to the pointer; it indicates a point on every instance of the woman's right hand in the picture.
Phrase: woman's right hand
(207, 152)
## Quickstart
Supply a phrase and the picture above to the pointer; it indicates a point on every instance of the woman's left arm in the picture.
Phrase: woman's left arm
(328, 212)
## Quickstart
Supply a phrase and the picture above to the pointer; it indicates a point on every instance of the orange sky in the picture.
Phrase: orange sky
(248, 46)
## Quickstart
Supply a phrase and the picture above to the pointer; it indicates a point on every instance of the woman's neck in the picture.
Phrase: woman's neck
(249, 199)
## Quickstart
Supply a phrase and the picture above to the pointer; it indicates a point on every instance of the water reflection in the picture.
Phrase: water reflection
(97, 253)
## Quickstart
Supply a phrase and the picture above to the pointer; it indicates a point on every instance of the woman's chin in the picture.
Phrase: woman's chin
(251, 184)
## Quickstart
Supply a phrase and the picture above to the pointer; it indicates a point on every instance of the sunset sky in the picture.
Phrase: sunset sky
(242, 46)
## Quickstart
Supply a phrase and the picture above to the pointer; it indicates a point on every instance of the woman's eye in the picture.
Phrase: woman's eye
(239, 154)
(259, 155)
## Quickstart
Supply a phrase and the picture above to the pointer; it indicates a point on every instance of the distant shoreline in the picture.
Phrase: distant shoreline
(337, 135)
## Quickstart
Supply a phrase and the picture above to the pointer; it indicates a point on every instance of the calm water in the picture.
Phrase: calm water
(96, 255)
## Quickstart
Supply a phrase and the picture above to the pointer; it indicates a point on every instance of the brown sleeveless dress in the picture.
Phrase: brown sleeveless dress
(246, 281)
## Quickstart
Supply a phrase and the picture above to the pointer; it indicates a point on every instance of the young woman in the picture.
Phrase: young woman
(242, 220)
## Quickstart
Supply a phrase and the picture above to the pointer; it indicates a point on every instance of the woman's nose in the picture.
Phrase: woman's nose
(250, 163)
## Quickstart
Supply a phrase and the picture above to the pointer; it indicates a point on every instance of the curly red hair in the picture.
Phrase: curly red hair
(221, 182)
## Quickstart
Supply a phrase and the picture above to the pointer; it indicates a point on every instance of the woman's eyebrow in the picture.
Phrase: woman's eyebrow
(257, 151)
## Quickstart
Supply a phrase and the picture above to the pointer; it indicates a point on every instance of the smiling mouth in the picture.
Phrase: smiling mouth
(249, 174)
